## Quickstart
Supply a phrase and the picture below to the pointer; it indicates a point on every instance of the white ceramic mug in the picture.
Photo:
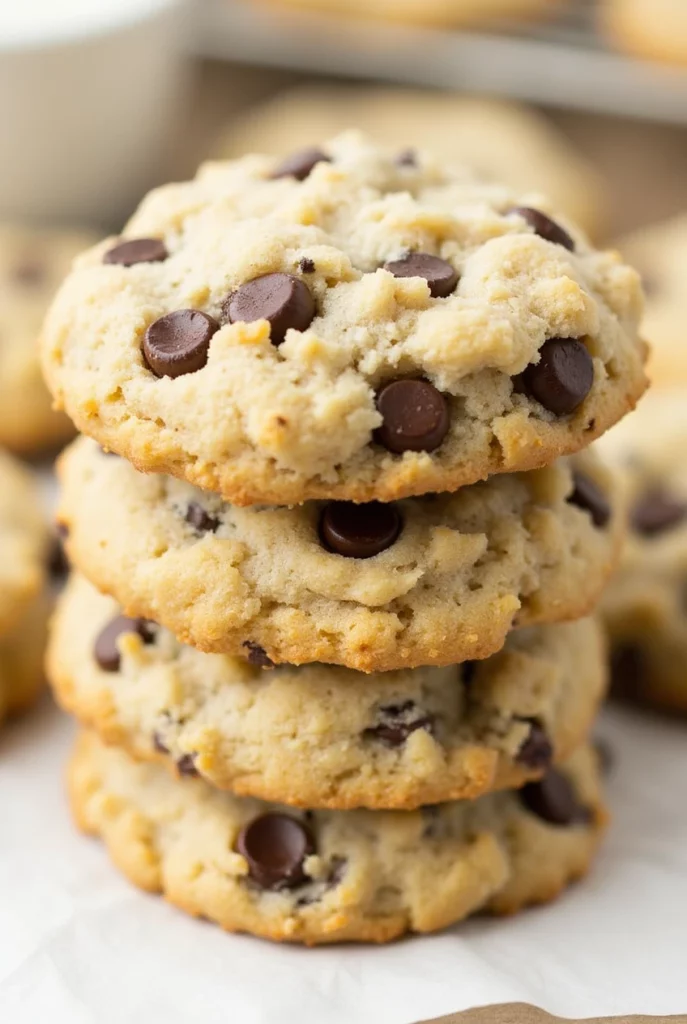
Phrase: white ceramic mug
(88, 95)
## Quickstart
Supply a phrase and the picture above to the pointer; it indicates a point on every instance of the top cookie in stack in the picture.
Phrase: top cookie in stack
(283, 332)
(270, 344)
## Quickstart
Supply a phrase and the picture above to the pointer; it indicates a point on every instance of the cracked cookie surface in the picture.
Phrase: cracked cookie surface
(451, 574)
(333, 876)
(343, 325)
(321, 736)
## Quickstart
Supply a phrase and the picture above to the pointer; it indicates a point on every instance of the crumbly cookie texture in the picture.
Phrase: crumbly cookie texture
(333, 876)
(422, 331)
(645, 605)
(21, 659)
(452, 574)
(320, 736)
(660, 254)
(498, 141)
(23, 542)
(656, 30)
(435, 13)
(32, 265)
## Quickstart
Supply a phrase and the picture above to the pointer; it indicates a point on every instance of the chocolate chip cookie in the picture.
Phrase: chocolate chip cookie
(645, 607)
(32, 264)
(334, 876)
(343, 324)
(320, 736)
(432, 580)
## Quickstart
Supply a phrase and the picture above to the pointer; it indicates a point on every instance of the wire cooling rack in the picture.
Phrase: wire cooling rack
(562, 62)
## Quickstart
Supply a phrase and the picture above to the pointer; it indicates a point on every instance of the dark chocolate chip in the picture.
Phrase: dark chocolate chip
(439, 274)
(656, 512)
(335, 873)
(553, 799)
(186, 765)
(257, 655)
(406, 158)
(299, 165)
(537, 749)
(137, 250)
(159, 745)
(545, 227)
(562, 378)
(397, 722)
(588, 495)
(629, 670)
(276, 846)
(281, 299)
(605, 755)
(199, 519)
(178, 342)
(359, 531)
(306, 265)
(106, 651)
(415, 416)
(29, 274)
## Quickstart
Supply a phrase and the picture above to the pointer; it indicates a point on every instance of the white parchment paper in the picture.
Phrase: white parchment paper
(79, 944)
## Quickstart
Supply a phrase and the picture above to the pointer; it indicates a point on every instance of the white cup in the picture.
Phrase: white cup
(88, 95)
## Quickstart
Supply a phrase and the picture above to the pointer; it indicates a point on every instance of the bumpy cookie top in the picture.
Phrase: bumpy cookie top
(350, 323)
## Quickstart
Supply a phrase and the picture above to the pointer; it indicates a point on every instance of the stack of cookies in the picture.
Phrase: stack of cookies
(334, 535)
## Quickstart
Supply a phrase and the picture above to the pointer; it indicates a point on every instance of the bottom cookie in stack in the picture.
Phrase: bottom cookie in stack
(645, 607)
(330, 876)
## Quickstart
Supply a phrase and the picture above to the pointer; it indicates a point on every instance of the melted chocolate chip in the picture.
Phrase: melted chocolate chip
(657, 512)
(588, 495)
(256, 655)
(537, 749)
(562, 378)
(137, 250)
(439, 274)
(275, 847)
(199, 519)
(359, 531)
(106, 651)
(186, 765)
(553, 799)
(178, 342)
(281, 299)
(545, 227)
(397, 722)
(415, 416)
(306, 265)
(299, 165)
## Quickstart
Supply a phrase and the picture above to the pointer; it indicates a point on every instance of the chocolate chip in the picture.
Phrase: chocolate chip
(406, 158)
(537, 749)
(553, 799)
(306, 265)
(29, 274)
(397, 721)
(588, 495)
(159, 745)
(299, 165)
(545, 227)
(656, 512)
(415, 416)
(275, 846)
(199, 519)
(359, 531)
(629, 670)
(335, 873)
(137, 250)
(281, 299)
(178, 342)
(186, 765)
(440, 275)
(257, 655)
(562, 378)
(106, 652)
(605, 754)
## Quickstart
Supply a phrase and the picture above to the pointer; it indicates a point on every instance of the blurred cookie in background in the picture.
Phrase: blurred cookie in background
(655, 29)
(645, 607)
(505, 142)
(23, 599)
(32, 265)
(659, 253)
(449, 13)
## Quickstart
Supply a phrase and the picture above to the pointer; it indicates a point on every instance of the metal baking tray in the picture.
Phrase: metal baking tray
(561, 63)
